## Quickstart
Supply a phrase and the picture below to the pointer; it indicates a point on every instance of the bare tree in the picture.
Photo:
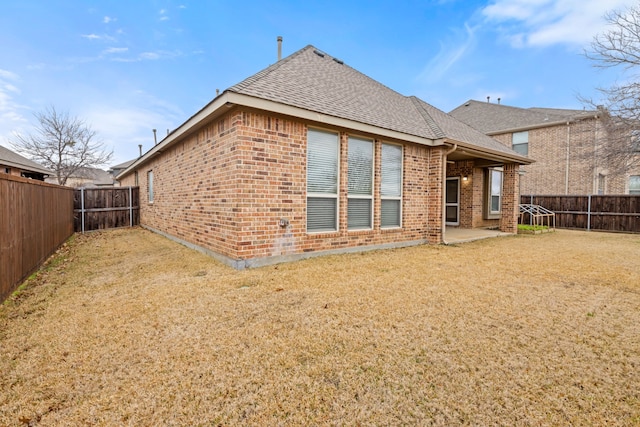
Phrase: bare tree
(619, 46)
(63, 143)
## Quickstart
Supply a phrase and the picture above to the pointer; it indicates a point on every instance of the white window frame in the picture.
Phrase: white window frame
(490, 213)
(354, 196)
(150, 188)
(517, 141)
(383, 196)
(634, 191)
(332, 196)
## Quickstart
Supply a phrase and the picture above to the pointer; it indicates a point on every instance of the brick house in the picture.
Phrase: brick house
(310, 156)
(14, 164)
(569, 147)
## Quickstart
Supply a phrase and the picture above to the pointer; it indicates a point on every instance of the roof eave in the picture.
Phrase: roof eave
(489, 154)
(229, 99)
(563, 122)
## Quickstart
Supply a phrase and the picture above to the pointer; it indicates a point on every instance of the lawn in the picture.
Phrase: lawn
(129, 328)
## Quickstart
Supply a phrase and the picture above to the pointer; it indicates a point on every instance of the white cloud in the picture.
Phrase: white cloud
(108, 19)
(449, 55)
(116, 50)
(11, 118)
(123, 128)
(104, 37)
(150, 55)
(548, 22)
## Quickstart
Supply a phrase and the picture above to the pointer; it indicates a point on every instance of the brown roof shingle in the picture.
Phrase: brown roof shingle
(313, 80)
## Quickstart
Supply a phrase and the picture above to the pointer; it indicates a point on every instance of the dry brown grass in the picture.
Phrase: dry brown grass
(130, 328)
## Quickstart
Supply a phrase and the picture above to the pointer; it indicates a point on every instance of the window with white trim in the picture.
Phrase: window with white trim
(323, 157)
(520, 142)
(391, 186)
(150, 185)
(360, 184)
(494, 192)
(634, 184)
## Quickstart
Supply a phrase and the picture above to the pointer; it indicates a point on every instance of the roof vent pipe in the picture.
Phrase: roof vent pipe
(488, 98)
(140, 149)
(155, 138)
(279, 48)
(498, 101)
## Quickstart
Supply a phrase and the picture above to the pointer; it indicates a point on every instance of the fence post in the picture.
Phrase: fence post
(130, 208)
(531, 216)
(589, 214)
(82, 207)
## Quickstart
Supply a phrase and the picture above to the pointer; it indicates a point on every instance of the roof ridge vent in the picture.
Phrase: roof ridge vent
(317, 52)
(339, 61)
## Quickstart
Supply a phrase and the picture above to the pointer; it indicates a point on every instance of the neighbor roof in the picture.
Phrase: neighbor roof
(494, 118)
(313, 85)
(10, 158)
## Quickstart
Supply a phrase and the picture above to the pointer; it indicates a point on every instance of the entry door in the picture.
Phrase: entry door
(452, 202)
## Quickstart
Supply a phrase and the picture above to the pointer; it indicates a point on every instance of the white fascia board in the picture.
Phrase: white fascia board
(229, 99)
(288, 110)
(487, 153)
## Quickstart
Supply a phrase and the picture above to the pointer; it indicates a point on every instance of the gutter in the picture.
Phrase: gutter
(230, 99)
(574, 119)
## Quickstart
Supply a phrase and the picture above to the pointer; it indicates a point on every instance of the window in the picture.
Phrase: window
(150, 185)
(322, 180)
(391, 186)
(601, 183)
(360, 184)
(7, 170)
(494, 191)
(135, 177)
(635, 141)
(634, 184)
(520, 142)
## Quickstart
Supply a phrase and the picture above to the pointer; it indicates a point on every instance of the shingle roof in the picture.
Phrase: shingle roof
(10, 158)
(313, 80)
(493, 118)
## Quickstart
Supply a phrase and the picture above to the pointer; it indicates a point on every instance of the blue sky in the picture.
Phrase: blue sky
(130, 66)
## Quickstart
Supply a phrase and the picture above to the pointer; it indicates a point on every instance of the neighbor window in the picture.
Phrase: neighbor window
(323, 150)
(520, 142)
(494, 191)
(360, 184)
(7, 170)
(634, 184)
(150, 185)
(391, 186)
(135, 177)
(601, 183)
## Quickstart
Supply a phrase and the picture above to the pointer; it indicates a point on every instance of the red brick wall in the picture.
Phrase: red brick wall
(227, 187)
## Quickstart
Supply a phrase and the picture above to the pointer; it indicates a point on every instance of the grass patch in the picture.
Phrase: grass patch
(134, 329)
(527, 227)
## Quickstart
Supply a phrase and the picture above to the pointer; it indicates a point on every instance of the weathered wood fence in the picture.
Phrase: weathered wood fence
(594, 212)
(101, 208)
(35, 219)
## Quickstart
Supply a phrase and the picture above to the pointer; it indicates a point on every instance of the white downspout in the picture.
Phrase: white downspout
(444, 190)
(566, 171)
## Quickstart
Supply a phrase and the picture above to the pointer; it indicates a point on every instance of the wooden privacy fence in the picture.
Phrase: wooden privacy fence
(35, 219)
(101, 208)
(594, 212)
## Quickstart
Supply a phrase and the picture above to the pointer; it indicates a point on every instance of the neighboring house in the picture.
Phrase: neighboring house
(88, 178)
(572, 148)
(115, 170)
(14, 164)
(310, 156)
